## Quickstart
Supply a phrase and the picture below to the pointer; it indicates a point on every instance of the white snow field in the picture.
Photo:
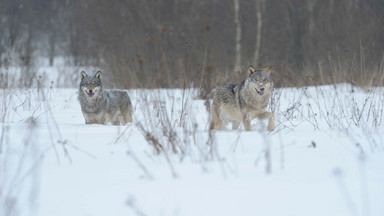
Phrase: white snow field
(325, 157)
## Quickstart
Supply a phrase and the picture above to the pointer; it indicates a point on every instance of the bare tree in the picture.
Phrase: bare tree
(238, 36)
(258, 29)
(310, 9)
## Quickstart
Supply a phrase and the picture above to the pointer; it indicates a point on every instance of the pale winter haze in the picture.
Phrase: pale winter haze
(322, 155)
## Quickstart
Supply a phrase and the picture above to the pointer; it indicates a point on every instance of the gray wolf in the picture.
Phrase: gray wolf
(101, 106)
(243, 102)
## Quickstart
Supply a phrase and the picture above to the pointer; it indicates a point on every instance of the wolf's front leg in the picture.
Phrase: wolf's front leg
(263, 115)
(271, 122)
(270, 116)
(105, 120)
(247, 123)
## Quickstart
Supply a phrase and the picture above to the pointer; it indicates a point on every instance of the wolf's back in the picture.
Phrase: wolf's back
(225, 94)
(118, 98)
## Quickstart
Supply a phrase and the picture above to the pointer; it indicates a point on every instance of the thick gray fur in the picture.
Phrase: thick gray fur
(101, 106)
(243, 102)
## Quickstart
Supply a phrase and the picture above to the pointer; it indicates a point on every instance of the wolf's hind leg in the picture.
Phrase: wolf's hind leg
(216, 123)
(126, 116)
(125, 108)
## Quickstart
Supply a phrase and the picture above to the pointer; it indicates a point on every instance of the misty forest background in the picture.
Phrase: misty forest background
(196, 43)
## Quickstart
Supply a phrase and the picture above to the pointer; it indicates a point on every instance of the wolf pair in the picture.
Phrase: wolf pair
(234, 103)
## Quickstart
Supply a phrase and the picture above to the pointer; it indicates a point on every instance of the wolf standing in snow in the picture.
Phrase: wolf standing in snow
(103, 106)
(243, 102)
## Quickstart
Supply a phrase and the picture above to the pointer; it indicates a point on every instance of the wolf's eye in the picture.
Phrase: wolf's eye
(265, 80)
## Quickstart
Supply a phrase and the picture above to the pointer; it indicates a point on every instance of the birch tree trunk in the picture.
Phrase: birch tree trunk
(310, 9)
(238, 37)
(258, 28)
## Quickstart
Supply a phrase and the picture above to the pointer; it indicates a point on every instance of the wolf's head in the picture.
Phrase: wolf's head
(90, 85)
(259, 81)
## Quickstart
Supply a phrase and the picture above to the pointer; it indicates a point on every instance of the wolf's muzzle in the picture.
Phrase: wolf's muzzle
(90, 93)
(261, 92)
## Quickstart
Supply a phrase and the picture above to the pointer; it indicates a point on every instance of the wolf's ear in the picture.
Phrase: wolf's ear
(98, 75)
(268, 69)
(251, 70)
(83, 75)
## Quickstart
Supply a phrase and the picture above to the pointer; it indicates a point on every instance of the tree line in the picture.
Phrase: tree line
(177, 43)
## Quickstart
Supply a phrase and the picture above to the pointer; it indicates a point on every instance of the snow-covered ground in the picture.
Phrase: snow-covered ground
(325, 157)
